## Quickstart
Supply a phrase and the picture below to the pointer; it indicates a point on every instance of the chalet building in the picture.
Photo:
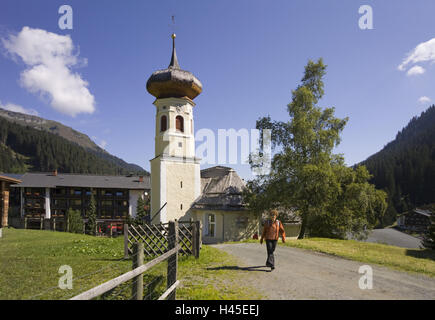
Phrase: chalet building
(50, 195)
(5, 183)
(220, 207)
(415, 220)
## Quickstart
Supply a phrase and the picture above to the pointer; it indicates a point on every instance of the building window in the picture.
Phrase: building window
(181, 184)
(179, 123)
(210, 225)
(106, 203)
(107, 193)
(163, 123)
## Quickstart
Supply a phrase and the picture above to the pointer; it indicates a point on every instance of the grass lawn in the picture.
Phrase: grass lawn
(30, 261)
(402, 259)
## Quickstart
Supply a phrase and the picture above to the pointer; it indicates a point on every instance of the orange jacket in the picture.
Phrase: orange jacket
(271, 231)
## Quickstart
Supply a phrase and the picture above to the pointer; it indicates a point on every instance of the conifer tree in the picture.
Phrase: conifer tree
(91, 213)
(429, 237)
(141, 212)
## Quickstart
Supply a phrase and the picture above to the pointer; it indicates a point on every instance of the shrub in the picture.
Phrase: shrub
(75, 221)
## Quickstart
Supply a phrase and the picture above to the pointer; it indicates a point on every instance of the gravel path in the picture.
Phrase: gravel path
(303, 274)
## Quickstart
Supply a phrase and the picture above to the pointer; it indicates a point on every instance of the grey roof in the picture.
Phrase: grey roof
(10, 178)
(49, 180)
(221, 190)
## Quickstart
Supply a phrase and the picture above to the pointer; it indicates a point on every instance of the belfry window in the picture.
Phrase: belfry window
(163, 124)
(179, 123)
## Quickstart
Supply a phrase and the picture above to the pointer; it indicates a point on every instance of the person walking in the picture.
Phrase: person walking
(271, 230)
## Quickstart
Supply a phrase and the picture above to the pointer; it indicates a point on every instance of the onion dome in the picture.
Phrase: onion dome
(173, 82)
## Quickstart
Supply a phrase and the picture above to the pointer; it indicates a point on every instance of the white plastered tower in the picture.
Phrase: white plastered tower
(175, 171)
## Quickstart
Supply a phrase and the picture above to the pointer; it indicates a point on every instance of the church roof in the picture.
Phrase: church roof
(173, 82)
(221, 190)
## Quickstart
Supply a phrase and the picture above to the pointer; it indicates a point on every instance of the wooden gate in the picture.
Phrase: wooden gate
(155, 238)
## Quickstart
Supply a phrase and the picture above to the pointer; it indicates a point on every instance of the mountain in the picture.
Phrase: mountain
(405, 167)
(51, 141)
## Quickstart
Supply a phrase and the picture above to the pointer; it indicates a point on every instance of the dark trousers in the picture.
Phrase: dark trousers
(270, 246)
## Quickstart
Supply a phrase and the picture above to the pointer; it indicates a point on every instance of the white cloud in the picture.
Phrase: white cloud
(424, 99)
(17, 108)
(49, 58)
(424, 52)
(103, 144)
(415, 70)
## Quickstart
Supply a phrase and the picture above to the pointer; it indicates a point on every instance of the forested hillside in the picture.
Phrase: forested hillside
(25, 149)
(67, 133)
(405, 167)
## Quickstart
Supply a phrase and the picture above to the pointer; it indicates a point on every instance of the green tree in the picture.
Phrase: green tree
(91, 213)
(141, 212)
(332, 199)
(75, 221)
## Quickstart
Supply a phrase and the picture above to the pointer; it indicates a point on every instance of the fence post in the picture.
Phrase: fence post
(172, 260)
(125, 241)
(196, 238)
(200, 234)
(25, 222)
(137, 262)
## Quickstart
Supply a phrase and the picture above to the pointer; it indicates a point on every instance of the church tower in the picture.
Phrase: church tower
(175, 171)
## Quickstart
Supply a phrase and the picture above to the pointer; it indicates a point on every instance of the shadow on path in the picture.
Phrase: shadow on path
(254, 268)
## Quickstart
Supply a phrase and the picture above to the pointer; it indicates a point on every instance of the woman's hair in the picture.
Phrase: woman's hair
(273, 212)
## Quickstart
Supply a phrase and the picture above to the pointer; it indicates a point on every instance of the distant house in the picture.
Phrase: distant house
(49, 195)
(415, 220)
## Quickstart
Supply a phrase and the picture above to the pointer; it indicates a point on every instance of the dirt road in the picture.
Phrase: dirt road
(303, 274)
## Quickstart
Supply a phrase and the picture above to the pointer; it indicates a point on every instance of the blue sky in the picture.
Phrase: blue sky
(248, 55)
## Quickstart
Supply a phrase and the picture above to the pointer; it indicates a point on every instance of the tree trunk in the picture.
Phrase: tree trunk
(303, 226)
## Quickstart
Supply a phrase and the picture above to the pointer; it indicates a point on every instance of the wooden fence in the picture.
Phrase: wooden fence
(139, 268)
(155, 238)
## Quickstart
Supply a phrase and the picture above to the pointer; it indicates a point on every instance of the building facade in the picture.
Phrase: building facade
(50, 195)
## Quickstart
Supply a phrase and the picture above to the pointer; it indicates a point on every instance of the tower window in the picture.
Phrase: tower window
(163, 124)
(181, 184)
(179, 123)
